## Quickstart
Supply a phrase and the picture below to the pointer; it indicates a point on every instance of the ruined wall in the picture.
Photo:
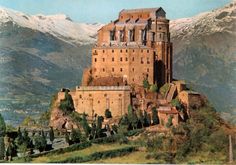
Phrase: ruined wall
(164, 117)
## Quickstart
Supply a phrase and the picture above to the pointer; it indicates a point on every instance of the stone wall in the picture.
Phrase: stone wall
(96, 99)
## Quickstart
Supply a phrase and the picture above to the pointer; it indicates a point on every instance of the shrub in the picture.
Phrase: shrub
(108, 113)
(164, 89)
(71, 148)
(67, 105)
(75, 136)
(153, 88)
(40, 142)
(104, 140)
(146, 84)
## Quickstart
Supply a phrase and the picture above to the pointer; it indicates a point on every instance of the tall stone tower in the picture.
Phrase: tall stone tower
(134, 47)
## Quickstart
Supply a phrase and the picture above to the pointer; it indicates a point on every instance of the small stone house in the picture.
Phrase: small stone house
(167, 112)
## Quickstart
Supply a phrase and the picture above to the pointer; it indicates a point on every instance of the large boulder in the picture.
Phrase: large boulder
(59, 120)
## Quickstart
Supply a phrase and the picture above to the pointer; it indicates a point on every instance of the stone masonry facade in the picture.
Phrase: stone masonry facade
(134, 47)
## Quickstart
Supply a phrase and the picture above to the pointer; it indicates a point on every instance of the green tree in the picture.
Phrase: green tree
(141, 117)
(2, 134)
(99, 126)
(155, 118)
(108, 114)
(26, 139)
(146, 84)
(67, 138)
(2, 126)
(85, 125)
(40, 142)
(164, 89)
(147, 121)
(75, 135)
(51, 135)
(67, 105)
(19, 139)
(153, 88)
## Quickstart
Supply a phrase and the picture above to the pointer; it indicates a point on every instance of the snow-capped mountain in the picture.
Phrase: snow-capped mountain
(40, 54)
(205, 54)
(60, 26)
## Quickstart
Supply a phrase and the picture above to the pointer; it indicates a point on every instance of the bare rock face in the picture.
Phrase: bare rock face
(60, 121)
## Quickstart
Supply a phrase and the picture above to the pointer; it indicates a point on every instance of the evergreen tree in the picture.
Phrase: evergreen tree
(51, 135)
(75, 135)
(99, 126)
(40, 142)
(85, 125)
(67, 105)
(155, 118)
(19, 139)
(141, 118)
(67, 138)
(146, 120)
(93, 131)
(2, 134)
(2, 126)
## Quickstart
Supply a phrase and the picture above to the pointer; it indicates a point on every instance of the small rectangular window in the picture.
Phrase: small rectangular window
(121, 69)
(126, 59)
(103, 69)
(113, 69)
(121, 59)
(112, 50)
(103, 51)
(112, 59)
(103, 59)
(95, 59)
(121, 50)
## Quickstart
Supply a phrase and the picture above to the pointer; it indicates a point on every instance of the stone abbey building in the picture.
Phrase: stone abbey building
(134, 47)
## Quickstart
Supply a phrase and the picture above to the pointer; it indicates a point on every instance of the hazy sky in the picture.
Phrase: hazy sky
(105, 10)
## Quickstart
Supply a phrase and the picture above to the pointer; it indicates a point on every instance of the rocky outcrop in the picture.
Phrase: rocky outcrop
(61, 121)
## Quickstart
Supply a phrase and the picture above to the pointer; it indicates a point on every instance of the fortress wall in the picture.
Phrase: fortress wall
(99, 98)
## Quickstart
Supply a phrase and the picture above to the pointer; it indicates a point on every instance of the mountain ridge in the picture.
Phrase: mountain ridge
(31, 56)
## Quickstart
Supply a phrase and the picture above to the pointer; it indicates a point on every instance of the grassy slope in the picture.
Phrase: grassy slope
(84, 152)
(133, 158)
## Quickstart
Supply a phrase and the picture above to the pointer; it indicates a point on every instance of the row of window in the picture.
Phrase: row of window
(121, 50)
(125, 59)
(121, 69)
(139, 16)
(105, 95)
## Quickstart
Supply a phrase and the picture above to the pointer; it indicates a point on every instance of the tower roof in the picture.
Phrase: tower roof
(140, 10)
